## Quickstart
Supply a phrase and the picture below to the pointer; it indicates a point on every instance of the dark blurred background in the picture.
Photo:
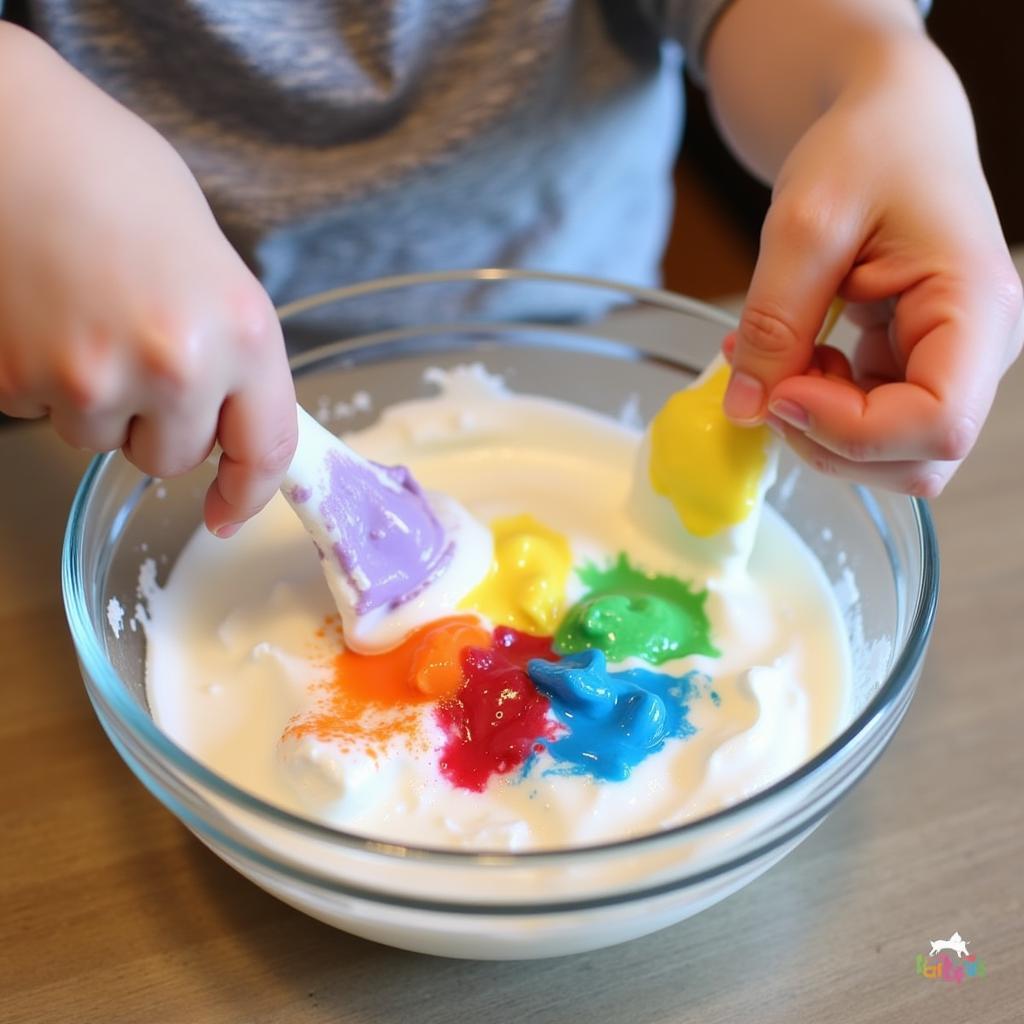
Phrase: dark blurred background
(713, 245)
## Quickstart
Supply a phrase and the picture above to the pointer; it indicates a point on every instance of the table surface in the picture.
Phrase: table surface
(113, 912)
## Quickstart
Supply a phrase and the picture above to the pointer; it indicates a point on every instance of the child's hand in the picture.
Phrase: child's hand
(125, 315)
(882, 201)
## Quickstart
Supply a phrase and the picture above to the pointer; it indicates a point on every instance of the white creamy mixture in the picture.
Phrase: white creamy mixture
(232, 651)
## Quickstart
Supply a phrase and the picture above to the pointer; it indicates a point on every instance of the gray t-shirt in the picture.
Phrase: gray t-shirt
(341, 140)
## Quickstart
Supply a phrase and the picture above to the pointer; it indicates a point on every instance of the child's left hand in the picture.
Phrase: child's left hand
(881, 201)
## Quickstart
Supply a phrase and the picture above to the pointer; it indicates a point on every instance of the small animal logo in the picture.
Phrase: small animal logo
(954, 944)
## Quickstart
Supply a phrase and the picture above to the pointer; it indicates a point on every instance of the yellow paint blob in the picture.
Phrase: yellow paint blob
(709, 468)
(525, 587)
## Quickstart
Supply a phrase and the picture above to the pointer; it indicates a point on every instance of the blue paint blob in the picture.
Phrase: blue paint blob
(613, 719)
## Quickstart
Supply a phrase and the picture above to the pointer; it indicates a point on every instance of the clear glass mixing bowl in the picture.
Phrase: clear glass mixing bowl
(614, 349)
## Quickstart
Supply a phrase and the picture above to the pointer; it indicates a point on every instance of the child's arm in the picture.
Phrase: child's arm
(879, 197)
(124, 313)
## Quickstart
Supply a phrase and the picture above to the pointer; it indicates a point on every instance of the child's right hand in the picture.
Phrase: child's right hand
(125, 315)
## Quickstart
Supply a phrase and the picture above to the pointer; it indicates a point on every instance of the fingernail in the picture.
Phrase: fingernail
(744, 397)
(227, 530)
(791, 413)
(775, 425)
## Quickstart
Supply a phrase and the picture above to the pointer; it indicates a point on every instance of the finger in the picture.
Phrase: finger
(806, 251)
(257, 432)
(922, 479)
(98, 432)
(169, 443)
(956, 336)
(20, 396)
(892, 422)
(21, 408)
(86, 394)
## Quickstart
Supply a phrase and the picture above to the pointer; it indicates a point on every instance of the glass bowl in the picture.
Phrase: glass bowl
(615, 349)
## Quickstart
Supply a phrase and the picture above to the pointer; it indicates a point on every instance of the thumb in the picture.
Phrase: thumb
(802, 262)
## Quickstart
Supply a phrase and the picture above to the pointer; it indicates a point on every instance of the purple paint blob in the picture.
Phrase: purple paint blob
(299, 495)
(390, 545)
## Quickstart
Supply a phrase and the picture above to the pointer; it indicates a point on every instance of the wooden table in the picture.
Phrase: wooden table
(112, 912)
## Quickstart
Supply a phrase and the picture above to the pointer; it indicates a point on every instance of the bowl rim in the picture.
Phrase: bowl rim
(115, 693)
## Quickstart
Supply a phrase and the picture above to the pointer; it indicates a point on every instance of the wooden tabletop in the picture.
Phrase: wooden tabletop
(112, 912)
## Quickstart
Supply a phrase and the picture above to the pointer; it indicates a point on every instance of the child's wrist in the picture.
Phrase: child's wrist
(903, 92)
(896, 63)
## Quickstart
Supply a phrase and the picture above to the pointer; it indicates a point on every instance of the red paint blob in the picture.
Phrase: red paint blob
(493, 722)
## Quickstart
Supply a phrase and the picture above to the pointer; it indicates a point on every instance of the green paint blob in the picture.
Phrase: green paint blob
(628, 613)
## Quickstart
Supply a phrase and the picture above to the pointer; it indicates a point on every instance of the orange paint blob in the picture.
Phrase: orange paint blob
(436, 668)
(370, 699)
(424, 666)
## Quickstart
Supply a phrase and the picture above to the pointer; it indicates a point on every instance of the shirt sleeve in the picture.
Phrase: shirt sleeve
(689, 23)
